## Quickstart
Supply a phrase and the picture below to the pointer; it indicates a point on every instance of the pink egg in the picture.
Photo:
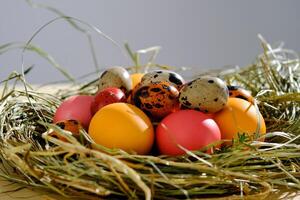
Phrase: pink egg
(190, 129)
(76, 108)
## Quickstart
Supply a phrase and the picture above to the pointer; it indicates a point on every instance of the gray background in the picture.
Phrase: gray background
(201, 34)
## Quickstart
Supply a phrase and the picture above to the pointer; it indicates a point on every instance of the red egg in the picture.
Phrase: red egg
(107, 96)
(190, 129)
(76, 108)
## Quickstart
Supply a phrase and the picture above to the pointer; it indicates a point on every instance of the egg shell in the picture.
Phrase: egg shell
(239, 92)
(163, 76)
(239, 116)
(156, 99)
(123, 126)
(190, 129)
(115, 77)
(206, 94)
(136, 79)
(107, 96)
(71, 125)
(76, 108)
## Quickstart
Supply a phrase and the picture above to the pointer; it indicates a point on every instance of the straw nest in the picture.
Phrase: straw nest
(32, 157)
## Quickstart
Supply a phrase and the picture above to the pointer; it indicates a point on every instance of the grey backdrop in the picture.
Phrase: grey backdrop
(201, 34)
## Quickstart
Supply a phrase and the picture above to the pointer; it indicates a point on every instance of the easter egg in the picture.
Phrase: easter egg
(190, 129)
(239, 92)
(156, 99)
(136, 79)
(107, 96)
(73, 126)
(115, 77)
(76, 108)
(206, 94)
(163, 76)
(239, 116)
(123, 126)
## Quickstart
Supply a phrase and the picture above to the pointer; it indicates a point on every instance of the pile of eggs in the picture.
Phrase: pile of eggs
(187, 115)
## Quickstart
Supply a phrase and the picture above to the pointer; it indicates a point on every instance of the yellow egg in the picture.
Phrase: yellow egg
(123, 126)
(239, 116)
(136, 79)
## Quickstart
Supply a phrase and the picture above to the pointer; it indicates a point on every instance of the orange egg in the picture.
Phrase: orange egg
(239, 116)
(136, 79)
(123, 126)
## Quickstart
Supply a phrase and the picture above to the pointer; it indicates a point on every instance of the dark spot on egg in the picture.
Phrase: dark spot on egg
(190, 83)
(206, 111)
(184, 98)
(174, 79)
(54, 135)
(187, 103)
(137, 101)
(155, 89)
(145, 94)
(232, 87)
(159, 72)
(61, 125)
(210, 81)
(241, 97)
(103, 74)
(155, 76)
(74, 121)
(216, 99)
(148, 106)
(157, 105)
(140, 93)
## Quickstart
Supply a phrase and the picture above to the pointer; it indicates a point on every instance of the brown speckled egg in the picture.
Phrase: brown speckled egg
(239, 92)
(71, 125)
(115, 77)
(163, 75)
(206, 94)
(156, 99)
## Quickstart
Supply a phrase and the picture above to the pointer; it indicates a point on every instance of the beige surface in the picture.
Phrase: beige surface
(12, 191)
(35, 194)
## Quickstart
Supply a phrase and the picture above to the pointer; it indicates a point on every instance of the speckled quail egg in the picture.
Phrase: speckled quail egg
(156, 99)
(206, 94)
(70, 125)
(163, 75)
(115, 77)
(239, 92)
